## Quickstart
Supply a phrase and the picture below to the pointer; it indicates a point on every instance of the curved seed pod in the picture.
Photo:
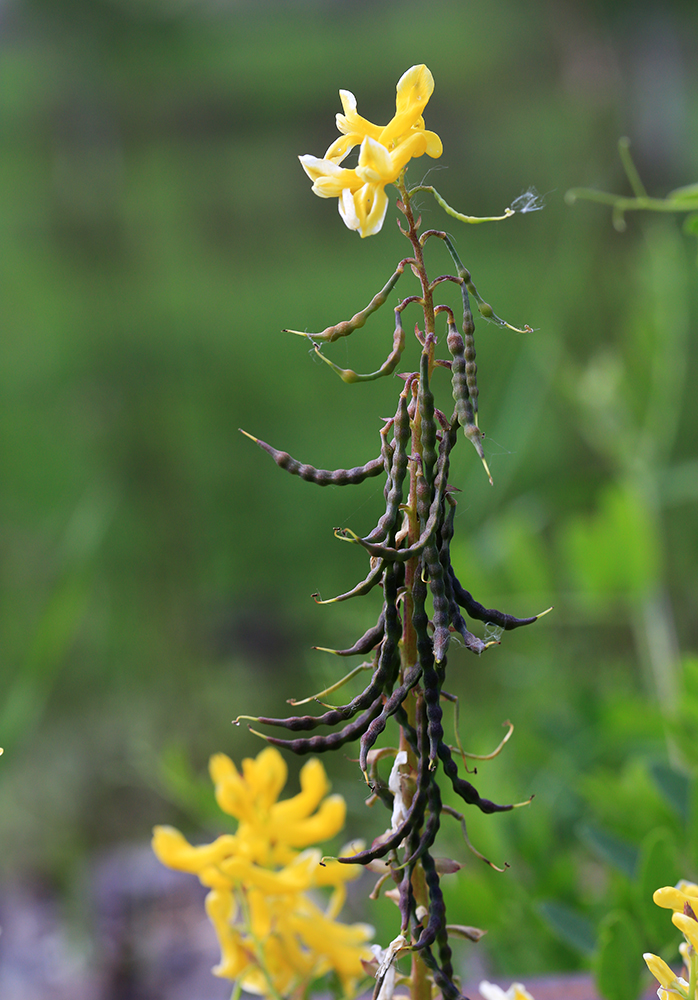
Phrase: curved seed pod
(360, 589)
(401, 428)
(461, 395)
(426, 413)
(402, 555)
(388, 366)
(343, 329)
(368, 641)
(433, 822)
(471, 641)
(378, 724)
(321, 477)
(437, 907)
(415, 814)
(482, 614)
(469, 341)
(448, 988)
(484, 308)
(410, 733)
(432, 686)
(332, 741)
(441, 618)
(463, 788)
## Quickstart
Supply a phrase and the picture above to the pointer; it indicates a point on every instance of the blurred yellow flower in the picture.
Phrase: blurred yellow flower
(682, 899)
(490, 991)
(383, 155)
(273, 937)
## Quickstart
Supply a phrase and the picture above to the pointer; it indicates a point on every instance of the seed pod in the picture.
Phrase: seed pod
(321, 477)
(461, 394)
(378, 724)
(346, 327)
(469, 344)
(402, 555)
(401, 428)
(368, 641)
(388, 366)
(441, 619)
(332, 741)
(426, 413)
(463, 788)
(374, 576)
(433, 822)
(432, 687)
(490, 615)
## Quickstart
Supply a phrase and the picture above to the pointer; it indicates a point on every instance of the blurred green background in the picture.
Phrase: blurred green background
(156, 568)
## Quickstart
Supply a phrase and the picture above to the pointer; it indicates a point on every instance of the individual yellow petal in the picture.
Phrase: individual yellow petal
(414, 89)
(341, 146)
(232, 792)
(371, 204)
(220, 907)
(260, 914)
(314, 787)
(375, 163)
(660, 970)
(689, 888)
(670, 898)
(265, 775)
(175, 851)
(347, 209)
(688, 927)
(351, 121)
(327, 821)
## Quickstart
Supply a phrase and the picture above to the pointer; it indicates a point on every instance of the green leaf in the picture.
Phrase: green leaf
(610, 848)
(675, 787)
(570, 926)
(657, 866)
(618, 967)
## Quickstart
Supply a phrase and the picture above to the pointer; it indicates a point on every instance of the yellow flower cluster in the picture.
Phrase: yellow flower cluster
(383, 155)
(682, 899)
(274, 937)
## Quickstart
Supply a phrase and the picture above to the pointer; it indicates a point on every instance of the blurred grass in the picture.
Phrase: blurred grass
(156, 568)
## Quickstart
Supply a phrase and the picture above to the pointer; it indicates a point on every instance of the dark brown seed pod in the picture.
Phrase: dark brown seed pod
(366, 585)
(426, 413)
(321, 477)
(463, 788)
(378, 724)
(368, 641)
(482, 614)
(401, 429)
(441, 617)
(469, 342)
(332, 741)
(415, 814)
(402, 555)
(425, 654)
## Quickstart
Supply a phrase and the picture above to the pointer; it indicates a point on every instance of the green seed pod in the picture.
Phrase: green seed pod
(388, 366)
(346, 327)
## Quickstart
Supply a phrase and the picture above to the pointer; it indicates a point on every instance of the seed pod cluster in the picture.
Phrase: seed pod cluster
(410, 550)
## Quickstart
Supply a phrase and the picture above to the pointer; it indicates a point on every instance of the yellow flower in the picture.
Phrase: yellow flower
(273, 937)
(384, 153)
